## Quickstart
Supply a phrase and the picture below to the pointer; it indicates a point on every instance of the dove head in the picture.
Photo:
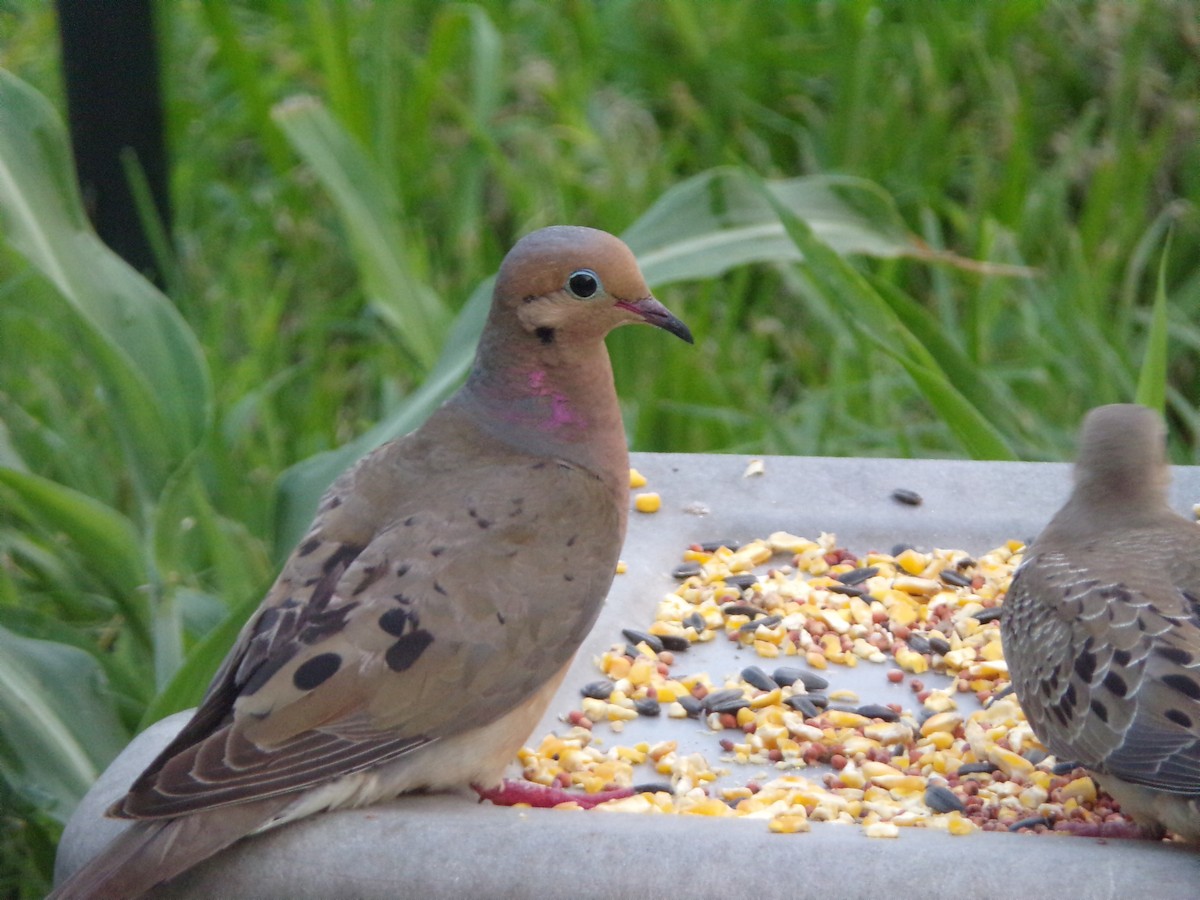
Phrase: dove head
(1122, 456)
(564, 285)
(542, 381)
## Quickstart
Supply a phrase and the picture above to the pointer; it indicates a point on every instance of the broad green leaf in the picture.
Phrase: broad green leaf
(149, 360)
(102, 536)
(59, 726)
(721, 219)
(371, 215)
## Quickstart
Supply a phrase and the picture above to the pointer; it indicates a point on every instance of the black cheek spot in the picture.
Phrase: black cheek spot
(1100, 710)
(316, 671)
(406, 651)
(1116, 684)
(1185, 685)
(545, 335)
(1179, 717)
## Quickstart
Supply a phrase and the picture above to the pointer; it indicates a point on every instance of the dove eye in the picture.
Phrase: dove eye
(583, 284)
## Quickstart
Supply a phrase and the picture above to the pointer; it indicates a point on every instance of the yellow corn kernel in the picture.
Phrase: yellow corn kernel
(789, 823)
(1012, 764)
(957, 825)
(766, 649)
(911, 661)
(622, 567)
(912, 562)
(843, 719)
(636, 479)
(815, 659)
(1081, 790)
(745, 716)
(992, 651)
(648, 502)
(946, 721)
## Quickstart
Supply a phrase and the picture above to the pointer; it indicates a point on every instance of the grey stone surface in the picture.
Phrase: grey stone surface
(450, 846)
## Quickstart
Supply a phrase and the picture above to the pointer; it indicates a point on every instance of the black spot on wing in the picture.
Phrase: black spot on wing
(396, 621)
(1179, 717)
(1085, 666)
(1099, 710)
(1185, 684)
(309, 546)
(1115, 683)
(316, 671)
(406, 651)
(1177, 655)
(545, 335)
(1122, 657)
(371, 574)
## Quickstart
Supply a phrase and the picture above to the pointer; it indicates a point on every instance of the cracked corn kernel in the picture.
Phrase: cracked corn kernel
(648, 502)
(636, 479)
(789, 823)
(929, 630)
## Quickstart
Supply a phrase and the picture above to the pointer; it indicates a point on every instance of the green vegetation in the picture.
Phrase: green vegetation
(982, 194)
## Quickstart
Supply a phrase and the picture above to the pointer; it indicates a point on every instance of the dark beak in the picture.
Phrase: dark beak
(654, 313)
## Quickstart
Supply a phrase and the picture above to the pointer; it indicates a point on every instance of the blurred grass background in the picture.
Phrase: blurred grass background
(347, 175)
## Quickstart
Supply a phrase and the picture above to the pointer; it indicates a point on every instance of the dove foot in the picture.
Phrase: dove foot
(1118, 830)
(540, 796)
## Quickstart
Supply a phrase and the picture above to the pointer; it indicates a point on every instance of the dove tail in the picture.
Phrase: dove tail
(151, 852)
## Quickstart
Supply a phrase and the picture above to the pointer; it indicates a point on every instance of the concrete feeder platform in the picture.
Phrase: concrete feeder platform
(450, 846)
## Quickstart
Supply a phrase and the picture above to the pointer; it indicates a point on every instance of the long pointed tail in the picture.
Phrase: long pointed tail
(149, 853)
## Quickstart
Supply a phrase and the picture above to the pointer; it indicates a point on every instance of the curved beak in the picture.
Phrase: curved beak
(654, 313)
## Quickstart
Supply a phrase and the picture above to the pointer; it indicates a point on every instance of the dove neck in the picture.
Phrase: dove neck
(1101, 503)
(555, 403)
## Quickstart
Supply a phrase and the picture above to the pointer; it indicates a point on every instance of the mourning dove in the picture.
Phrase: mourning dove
(416, 634)
(1101, 626)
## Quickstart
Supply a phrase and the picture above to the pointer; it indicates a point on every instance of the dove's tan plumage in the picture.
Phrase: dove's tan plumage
(416, 634)
(1101, 626)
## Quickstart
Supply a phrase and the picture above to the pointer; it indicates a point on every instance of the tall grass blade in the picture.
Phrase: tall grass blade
(1152, 380)
(877, 322)
(371, 215)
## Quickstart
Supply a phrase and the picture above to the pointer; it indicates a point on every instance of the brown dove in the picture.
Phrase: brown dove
(417, 633)
(1101, 626)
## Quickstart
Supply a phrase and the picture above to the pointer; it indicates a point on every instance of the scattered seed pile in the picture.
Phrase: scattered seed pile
(791, 748)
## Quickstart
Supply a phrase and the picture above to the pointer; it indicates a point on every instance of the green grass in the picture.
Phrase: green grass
(1013, 169)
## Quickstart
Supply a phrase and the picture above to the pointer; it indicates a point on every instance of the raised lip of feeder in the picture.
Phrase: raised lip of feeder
(451, 846)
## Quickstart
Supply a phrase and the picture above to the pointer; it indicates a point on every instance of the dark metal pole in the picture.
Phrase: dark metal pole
(110, 61)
